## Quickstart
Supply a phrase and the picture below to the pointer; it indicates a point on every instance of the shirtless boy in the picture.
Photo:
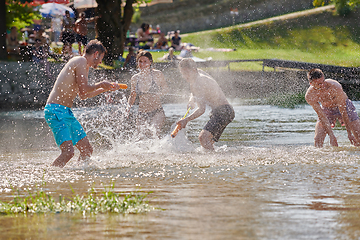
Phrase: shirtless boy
(205, 91)
(73, 81)
(81, 29)
(330, 102)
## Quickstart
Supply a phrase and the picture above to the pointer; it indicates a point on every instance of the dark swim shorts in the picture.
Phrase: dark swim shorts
(68, 37)
(334, 114)
(82, 39)
(220, 117)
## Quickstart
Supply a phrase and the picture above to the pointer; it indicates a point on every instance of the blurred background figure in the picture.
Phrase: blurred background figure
(40, 53)
(56, 25)
(12, 41)
(130, 61)
(176, 41)
(144, 38)
(162, 42)
(170, 56)
(67, 35)
(81, 30)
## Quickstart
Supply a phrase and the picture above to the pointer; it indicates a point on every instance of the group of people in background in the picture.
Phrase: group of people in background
(63, 29)
(145, 39)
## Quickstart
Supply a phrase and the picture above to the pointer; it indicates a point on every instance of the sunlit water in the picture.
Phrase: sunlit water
(264, 181)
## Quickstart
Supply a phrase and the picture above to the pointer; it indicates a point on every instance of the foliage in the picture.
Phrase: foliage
(290, 100)
(93, 203)
(19, 14)
(343, 7)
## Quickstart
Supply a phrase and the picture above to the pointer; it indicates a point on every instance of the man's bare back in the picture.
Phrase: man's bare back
(206, 89)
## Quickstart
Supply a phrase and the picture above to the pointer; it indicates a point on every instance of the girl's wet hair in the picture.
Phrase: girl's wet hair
(143, 53)
(93, 46)
(314, 73)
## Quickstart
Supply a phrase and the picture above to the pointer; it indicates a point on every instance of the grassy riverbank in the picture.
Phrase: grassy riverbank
(320, 37)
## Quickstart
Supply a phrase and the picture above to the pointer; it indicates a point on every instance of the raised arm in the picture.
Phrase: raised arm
(199, 110)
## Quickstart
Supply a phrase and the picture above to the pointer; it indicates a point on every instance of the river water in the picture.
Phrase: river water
(264, 181)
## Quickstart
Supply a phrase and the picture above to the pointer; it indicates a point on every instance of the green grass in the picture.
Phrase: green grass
(290, 100)
(92, 203)
(318, 38)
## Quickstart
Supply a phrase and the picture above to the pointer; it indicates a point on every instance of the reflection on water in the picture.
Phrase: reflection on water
(265, 180)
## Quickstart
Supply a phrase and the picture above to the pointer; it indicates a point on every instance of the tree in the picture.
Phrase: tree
(14, 12)
(113, 24)
(343, 7)
(3, 52)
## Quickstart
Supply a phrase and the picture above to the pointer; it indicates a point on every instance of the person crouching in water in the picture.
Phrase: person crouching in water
(73, 81)
(149, 84)
(206, 91)
(330, 102)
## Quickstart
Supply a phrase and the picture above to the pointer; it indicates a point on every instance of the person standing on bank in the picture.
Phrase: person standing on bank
(206, 91)
(67, 35)
(150, 85)
(81, 30)
(331, 103)
(73, 81)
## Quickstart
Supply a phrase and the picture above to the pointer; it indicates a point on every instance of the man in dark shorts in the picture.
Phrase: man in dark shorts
(206, 91)
(67, 34)
(330, 102)
(81, 30)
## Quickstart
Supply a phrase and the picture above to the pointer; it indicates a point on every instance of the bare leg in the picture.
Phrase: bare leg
(67, 152)
(320, 135)
(80, 50)
(355, 129)
(85, 149)
(158, 121)
(206, 140)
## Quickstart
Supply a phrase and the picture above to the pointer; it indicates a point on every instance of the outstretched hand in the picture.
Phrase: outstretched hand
(182, 123)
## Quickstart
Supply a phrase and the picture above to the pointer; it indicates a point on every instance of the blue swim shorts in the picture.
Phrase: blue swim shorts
(334, 114)
(63, 124)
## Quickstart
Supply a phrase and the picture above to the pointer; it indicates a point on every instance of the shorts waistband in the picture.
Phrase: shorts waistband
(55, 105)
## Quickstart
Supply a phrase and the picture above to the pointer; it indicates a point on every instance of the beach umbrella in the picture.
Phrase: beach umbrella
(53, 9)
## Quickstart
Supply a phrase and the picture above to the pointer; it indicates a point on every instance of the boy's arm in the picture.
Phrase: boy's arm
(201, 107)
(85, 89)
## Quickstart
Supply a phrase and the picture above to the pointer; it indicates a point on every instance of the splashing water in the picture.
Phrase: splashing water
(264, 168)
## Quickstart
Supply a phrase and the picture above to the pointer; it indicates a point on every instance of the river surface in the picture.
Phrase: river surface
(264, 181)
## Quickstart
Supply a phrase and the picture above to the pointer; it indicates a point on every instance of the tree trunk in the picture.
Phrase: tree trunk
(3, 51)
(112, 26)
